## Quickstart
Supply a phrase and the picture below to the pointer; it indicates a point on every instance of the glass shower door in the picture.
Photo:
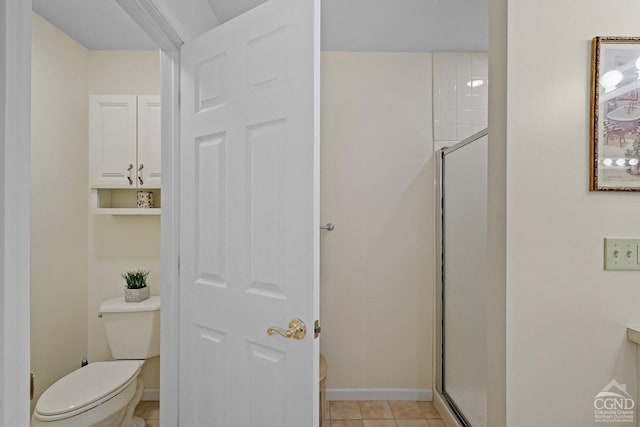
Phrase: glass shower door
(464, 280)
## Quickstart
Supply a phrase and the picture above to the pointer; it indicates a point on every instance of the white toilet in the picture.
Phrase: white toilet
(105, 394)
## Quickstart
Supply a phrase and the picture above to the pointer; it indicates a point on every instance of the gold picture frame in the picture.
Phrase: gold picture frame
(615, 114)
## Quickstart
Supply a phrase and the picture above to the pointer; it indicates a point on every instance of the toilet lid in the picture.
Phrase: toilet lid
(86, 386)
(119, 305)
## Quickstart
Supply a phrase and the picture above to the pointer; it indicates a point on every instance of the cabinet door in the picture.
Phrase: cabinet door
(148, 142)
(112, 141)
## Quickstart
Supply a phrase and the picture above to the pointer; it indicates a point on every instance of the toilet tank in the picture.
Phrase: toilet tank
(133, 328)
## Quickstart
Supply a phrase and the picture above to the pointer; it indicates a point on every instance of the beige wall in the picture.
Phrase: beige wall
(124, 72)
(566, 316)
(120, 243)
(59, 205)
(376, 276)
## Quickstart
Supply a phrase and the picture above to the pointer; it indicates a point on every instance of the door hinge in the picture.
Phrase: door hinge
(32, 380)
(178, 265)
(316, 329)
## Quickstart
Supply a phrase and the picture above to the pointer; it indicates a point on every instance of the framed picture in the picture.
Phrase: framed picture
(615, 114)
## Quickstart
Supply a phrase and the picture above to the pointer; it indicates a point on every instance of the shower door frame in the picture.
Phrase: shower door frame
(440, 277)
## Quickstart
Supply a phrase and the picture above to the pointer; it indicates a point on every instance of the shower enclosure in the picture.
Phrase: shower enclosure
(461, 353)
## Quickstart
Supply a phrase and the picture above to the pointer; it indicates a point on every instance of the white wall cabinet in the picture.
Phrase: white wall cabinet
(124, 152)
(124, 141)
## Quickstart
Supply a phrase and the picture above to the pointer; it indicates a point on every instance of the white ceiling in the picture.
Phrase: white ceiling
(97, 24)
(405, 25)
(358, 25)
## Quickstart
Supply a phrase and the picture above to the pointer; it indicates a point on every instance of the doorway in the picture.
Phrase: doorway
(67, 313)
(79, 246)
(169, 259)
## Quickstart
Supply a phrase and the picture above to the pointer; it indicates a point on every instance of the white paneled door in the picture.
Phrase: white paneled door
(249, 219)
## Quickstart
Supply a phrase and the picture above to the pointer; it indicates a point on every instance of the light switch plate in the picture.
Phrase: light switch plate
(621, 254)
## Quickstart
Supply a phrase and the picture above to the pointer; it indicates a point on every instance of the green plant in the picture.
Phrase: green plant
(136, 279)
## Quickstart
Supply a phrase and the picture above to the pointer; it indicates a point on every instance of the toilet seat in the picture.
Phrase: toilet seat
(86, 388)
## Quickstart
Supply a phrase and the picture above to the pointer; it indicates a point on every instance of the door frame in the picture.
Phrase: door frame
(15, 224)
(15, 204)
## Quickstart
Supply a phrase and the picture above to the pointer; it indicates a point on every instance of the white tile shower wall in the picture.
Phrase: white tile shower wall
(460, 96)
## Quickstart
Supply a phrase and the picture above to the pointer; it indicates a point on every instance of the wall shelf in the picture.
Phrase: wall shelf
(115, 201)
(126, 211)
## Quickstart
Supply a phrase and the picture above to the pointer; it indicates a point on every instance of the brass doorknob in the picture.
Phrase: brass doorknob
(297, 330)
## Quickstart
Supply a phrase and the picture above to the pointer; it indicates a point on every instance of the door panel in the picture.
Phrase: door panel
(265, 199)
(210, 210)
(112, 138)
(249, 219)
(149, 141)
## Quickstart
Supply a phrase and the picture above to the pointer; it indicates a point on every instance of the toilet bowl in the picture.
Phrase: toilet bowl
(96, 395)
(105, 394)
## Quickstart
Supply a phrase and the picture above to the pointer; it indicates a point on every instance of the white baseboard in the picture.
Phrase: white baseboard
(151, 394)
(379, 394)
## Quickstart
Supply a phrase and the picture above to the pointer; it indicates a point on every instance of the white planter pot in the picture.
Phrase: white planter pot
(136, 295)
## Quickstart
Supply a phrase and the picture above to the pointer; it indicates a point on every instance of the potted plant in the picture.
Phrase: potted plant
(136, 289)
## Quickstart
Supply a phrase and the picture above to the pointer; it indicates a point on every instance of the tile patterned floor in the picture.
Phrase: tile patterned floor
(366, 413)
(150, 411)
(382, 413)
